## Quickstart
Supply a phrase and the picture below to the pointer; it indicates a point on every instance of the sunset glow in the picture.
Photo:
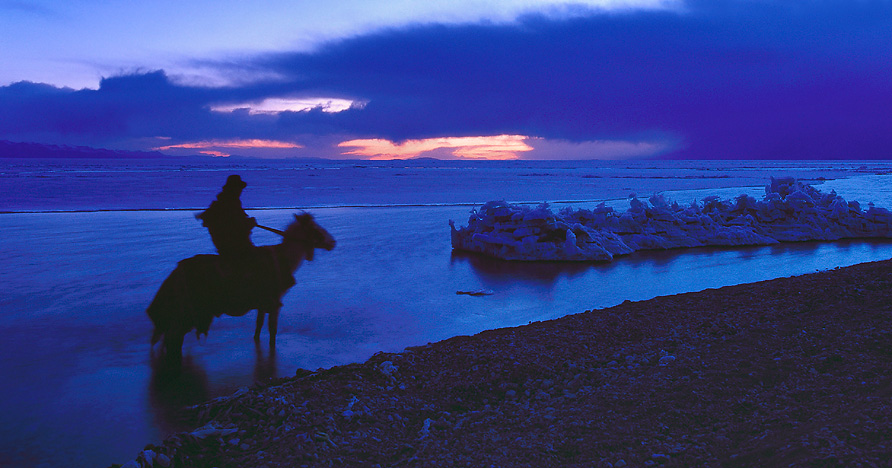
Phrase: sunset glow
(213, 147)
(652, 85)
(498, 147)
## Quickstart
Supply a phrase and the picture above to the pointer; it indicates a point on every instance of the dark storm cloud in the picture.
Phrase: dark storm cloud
(723, 79)
(138, 105)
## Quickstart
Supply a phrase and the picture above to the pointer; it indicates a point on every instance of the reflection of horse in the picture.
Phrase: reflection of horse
(171, 389)
(206, 286)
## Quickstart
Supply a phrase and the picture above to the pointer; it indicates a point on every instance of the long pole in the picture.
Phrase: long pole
(272, 230)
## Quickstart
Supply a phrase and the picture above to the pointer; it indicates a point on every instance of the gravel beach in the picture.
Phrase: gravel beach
(787, 372)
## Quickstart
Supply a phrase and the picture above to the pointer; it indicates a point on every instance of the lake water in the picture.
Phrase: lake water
(86, 244)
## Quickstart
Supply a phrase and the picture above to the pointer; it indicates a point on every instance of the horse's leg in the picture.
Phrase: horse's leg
(257, 328)
(173, 346)
(273, 326)
(156, 335)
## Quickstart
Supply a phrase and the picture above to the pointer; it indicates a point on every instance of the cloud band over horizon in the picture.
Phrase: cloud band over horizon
(727, 79)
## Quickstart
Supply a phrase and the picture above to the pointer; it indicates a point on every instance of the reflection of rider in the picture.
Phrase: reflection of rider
(226, 220)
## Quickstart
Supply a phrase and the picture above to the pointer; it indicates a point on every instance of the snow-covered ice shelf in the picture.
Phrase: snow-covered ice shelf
(790, 211)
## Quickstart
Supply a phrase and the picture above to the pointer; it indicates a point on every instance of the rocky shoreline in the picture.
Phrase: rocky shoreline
(787, 372)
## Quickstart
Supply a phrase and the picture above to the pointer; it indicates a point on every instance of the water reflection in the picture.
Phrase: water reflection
(567, 287)
(493, 271)
(265, 367)
(852, 251)
(173, 388)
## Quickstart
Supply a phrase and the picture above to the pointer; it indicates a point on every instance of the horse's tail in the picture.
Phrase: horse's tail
(178, 305)
(165, 305)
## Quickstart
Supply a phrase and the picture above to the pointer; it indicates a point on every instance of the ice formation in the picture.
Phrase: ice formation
(790, 211)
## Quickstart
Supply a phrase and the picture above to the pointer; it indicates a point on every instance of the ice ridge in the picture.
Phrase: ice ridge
(790, 211)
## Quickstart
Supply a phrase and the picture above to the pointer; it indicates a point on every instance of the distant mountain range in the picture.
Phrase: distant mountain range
(11, 149)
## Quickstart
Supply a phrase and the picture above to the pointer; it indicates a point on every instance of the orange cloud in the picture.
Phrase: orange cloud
(217, 154)
(482, 147)
(212, 147)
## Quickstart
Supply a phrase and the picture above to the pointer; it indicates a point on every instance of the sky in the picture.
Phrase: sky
(452, 79)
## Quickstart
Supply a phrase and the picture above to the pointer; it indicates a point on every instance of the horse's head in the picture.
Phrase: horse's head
(310, 236)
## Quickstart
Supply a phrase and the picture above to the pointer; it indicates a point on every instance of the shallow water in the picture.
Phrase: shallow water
(82, 387)
(76, 334)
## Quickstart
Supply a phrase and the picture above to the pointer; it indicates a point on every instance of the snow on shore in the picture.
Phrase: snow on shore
(790, 211)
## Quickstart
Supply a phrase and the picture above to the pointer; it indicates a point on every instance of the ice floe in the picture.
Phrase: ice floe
(790, 211)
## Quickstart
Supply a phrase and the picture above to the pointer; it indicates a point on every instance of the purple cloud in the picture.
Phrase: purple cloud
(718, 79)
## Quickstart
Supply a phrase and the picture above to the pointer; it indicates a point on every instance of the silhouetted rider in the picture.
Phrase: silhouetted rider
(226, 220)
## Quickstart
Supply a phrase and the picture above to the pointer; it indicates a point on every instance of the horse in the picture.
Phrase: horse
(206, 286)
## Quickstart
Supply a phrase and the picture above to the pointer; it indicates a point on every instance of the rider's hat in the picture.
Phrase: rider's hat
(234, 182)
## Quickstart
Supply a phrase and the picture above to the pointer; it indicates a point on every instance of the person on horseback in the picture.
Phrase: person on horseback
(228, 224)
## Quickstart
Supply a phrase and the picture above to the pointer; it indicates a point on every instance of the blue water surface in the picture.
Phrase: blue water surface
(85, 245)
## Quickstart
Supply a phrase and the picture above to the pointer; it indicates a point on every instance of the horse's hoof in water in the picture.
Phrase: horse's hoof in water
(156, 336)
(257, 338)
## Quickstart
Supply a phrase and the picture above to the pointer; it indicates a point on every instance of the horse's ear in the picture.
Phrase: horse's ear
(303, 218)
